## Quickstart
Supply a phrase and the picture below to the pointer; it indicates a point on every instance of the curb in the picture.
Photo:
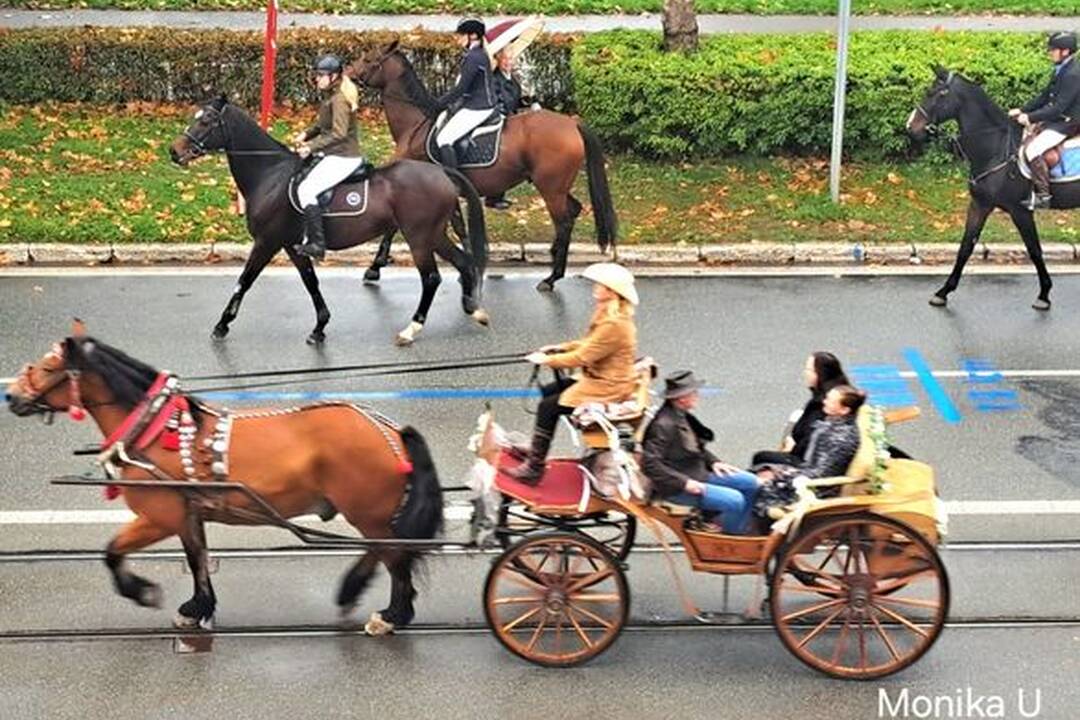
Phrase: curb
(539, 254)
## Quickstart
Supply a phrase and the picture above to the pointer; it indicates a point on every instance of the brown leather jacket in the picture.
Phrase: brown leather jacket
(605, 355)
(673, 451)
(334, 133)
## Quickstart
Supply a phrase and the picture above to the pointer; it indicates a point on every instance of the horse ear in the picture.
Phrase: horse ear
(391, 46)
(940, 71)
(78, 328)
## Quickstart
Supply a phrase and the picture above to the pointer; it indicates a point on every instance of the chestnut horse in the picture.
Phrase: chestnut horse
(379, 476)
(543, 147)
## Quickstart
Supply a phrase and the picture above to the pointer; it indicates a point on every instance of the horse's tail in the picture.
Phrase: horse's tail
(477, 226)
(421, 517)
(599, 193)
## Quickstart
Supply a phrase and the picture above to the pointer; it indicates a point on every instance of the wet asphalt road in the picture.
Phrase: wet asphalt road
(747, 336)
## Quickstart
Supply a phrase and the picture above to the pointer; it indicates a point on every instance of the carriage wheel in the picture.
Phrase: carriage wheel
(878, 598)
(614, 530)
(556, 599)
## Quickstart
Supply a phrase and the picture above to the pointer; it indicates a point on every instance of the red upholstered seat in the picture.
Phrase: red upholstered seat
(563, 482)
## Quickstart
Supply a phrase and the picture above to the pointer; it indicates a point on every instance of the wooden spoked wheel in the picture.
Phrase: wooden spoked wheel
(859, 597)
(556, 599)
(614, 530)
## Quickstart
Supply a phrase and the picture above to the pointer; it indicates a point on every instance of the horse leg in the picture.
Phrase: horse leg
(402, 593)
(564, 210)
(199, 610)
(470, 303)
(976, 218)
(1024, 220)
(429, 283)
(382, 259)
(136, 535)
(306, 269)
(260, 255)
(355, 582)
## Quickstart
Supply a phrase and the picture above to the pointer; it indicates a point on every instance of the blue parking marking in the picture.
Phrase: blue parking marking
(940, 399)
(884, 385)
(985, 387)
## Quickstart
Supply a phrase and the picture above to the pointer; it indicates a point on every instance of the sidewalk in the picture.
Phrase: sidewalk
(557, 23)
(538, 254)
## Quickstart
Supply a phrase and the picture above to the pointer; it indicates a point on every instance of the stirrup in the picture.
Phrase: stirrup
(311, 250)
(1038, 201)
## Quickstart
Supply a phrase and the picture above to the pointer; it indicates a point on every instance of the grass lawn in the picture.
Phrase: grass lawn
(555, 7)
(72, 173)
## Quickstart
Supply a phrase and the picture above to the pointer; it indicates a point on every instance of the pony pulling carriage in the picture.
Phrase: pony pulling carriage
(856, 587)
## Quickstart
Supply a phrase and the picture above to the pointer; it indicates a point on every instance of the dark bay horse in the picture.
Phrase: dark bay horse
(379, 476)
(413, 197)
(543, 147)
(990, 141)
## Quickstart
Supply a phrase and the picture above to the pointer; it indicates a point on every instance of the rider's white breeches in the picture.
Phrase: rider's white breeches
(1046, 140)
(461, 124)
(327, 173)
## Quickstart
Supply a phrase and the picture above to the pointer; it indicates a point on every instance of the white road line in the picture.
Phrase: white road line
(464, 512)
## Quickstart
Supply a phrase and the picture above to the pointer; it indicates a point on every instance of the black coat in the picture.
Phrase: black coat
(473, 88)
(804, 426)
(1058, 106)
(507, 93)
(674, 451)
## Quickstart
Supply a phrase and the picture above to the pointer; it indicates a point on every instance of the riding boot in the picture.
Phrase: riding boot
(448, 156)
(1040, 178)
(314, 245)
(532, 469)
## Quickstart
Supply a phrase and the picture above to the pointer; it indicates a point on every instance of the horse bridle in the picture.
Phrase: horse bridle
(59, 376)
(218, 124)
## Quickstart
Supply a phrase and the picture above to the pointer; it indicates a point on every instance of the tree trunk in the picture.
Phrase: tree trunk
(680, 26)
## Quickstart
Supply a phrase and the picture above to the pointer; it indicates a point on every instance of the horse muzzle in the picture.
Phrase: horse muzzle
(22, 407)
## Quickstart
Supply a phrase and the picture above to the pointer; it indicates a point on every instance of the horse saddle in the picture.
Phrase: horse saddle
(478, 149)
(348, 198)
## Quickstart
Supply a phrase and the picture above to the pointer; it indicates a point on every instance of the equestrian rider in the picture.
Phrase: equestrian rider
(333, 140)
(472, 99)
(1054, 110)
(605, 356)
(509, 100)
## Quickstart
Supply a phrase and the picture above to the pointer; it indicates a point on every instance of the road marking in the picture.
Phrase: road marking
(462, 511)
(933, 388)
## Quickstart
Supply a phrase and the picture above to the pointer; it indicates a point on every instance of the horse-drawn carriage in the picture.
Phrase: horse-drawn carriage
(856, 587)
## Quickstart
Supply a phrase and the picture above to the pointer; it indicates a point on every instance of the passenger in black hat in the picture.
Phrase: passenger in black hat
(684, 472)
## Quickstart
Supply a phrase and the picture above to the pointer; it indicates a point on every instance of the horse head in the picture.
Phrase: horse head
(940, 103)
(52, 384)
(206, 133)
(373, 69)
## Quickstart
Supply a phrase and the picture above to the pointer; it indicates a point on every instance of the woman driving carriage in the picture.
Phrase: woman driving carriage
(334, 137)
(605, 355)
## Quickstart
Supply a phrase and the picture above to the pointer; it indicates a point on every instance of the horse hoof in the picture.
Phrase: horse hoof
(371, 276)
(1041, 304)
(545, 285)
(481, 317)
(408, 335)
(151, 597)
(183, 622)
(376, 626)
(316, 338)
(219, 332)
(938, 301)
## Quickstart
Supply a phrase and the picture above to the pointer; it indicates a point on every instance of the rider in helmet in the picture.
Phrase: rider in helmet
(1055, 110)
(333, 138)
(472, 99)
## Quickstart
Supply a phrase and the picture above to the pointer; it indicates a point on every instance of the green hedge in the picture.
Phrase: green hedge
(162, 65)
(774, 93)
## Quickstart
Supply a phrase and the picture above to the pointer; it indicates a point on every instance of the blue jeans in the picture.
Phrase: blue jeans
(732, 496)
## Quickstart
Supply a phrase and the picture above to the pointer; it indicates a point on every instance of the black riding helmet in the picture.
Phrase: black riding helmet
(1062, 41)
(328, 65)
(471, 26)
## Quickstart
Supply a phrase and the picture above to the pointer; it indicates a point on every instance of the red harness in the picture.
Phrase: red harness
(175, 404)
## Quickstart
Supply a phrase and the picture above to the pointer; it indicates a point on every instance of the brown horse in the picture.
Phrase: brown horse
(543, 147)
(379, 476)
(409, 196)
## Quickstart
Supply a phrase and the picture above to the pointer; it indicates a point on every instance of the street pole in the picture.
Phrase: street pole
(839, 97)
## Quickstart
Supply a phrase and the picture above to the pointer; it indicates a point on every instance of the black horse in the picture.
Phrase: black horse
(414, 197)
(990, 141)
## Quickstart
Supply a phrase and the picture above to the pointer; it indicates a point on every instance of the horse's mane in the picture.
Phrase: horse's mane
(251, 125)
(414, 87)
(990, 108)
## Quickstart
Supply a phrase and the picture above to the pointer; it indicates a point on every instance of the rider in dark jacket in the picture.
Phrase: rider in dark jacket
(1055, 109)
(472, 99)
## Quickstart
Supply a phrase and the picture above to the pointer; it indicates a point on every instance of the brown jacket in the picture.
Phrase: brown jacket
(606, 357)
(335, 131)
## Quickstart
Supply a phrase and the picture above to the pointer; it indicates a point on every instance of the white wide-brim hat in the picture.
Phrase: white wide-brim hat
(614, 277)
(513, 35)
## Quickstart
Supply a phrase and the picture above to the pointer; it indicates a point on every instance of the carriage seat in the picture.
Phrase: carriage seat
(630, 412)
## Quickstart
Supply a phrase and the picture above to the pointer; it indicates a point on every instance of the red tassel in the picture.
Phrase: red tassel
(112, 492)
(170, 440)
(76, 413)
(404, 466)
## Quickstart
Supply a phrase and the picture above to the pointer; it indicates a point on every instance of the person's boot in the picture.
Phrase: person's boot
(532, 469)
(497, 202)
(448, 156)
(314, 245)
(1040, 179)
